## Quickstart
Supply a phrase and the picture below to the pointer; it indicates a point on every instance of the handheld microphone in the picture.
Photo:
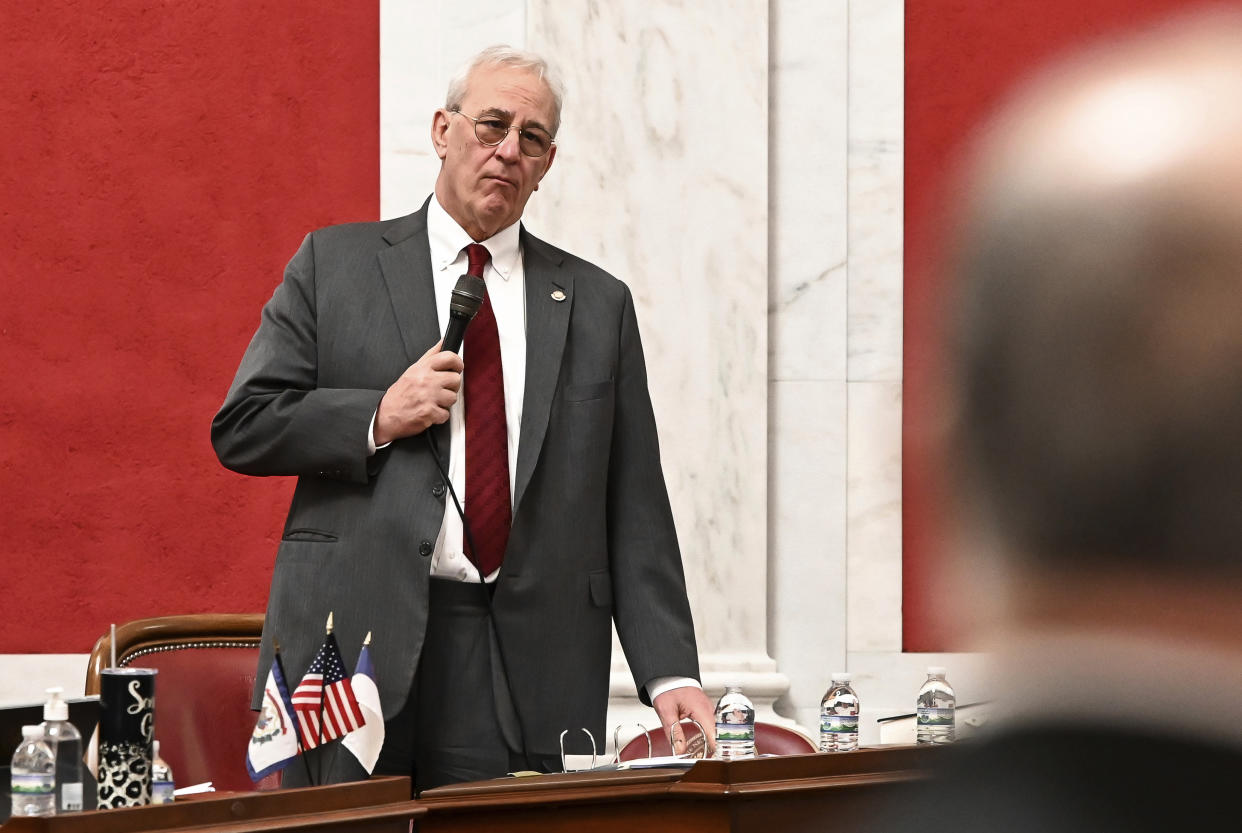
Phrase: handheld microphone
(465, 301)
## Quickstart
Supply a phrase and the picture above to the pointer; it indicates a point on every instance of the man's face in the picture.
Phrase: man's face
(486, 188)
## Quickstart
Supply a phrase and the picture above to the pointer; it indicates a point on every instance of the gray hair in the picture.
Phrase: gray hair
(507, 56)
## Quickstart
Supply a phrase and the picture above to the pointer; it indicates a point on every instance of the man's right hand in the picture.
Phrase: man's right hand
(421, 396)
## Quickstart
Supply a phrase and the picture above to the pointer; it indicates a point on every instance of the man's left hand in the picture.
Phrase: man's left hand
(687, 701)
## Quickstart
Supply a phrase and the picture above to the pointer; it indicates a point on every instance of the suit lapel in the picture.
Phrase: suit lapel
(406, 266)
(547, 323)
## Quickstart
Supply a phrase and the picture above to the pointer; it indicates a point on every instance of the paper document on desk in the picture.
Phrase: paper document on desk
(195, 789)
(662, 762)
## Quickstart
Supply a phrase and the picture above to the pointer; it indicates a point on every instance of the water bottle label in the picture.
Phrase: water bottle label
(33, 784)
(842, 723)
(71, 797)
(161, 792)
(735, 731)
(935, 717)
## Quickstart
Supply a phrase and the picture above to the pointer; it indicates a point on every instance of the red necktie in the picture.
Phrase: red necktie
(487, 436)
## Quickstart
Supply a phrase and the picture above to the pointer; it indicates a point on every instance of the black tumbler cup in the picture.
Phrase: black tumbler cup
(126, 728)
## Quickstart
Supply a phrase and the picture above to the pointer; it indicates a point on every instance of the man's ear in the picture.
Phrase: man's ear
(439, 132)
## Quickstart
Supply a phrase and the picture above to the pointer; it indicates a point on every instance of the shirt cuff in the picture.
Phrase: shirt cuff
(658, 685)
(371, 446)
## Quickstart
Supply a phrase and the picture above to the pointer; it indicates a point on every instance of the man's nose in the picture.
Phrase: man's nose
(508, 149)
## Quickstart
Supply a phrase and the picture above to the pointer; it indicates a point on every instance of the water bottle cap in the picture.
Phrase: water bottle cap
(155, 749)
(55, 708)
(937, 670)
(32, 732)
(842, 676)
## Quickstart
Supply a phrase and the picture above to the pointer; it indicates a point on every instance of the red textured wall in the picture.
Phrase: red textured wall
(159, 164)
(962, 56)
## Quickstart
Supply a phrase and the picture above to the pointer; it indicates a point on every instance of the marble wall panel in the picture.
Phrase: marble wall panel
(874, 517)
(661, 178)
(807, 540)
(876, 125)
(808, 111)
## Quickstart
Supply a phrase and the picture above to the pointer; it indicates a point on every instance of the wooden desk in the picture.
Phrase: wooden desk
(790, 793)
(380, 805)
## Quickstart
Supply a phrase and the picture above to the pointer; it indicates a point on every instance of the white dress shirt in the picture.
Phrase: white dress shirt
(505, 277)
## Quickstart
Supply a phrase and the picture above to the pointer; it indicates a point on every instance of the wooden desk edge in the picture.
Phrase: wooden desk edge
(222, 809)
(652, 783)
(331, 819)
(790, 785)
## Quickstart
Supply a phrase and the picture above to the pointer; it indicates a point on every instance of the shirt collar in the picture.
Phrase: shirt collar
(447, 239)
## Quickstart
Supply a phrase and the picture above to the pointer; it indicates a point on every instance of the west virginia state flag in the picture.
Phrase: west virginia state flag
(274, 741)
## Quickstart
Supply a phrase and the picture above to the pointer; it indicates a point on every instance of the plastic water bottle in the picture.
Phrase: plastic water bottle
(735, 725)
(838, 716)
(161, 777)
(34, 775)
(935, 709)
(66, 744)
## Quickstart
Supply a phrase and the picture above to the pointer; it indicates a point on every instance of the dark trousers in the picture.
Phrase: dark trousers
(454, 725)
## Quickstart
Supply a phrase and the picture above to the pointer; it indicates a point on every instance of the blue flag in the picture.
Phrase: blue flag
(274, 741)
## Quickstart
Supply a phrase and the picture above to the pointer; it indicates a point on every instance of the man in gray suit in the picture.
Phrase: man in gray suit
(345, 386)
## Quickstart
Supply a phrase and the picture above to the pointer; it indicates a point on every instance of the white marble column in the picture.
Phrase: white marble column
(844, 191)
(808, 357)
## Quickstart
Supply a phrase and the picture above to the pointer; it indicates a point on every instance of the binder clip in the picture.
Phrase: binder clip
(616, 740)
(564, 758)
(696, 744)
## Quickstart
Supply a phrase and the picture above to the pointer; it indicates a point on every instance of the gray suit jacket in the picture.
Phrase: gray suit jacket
(592, 539)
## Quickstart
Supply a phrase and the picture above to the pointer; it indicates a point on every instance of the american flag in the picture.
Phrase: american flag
(324, 701)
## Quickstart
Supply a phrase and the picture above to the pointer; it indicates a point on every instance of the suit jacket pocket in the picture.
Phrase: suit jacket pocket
(312, 535)
(588, 392)
(601, 588)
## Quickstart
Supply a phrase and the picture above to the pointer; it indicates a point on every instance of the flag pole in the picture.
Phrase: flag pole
(322, 693)
(297, 734)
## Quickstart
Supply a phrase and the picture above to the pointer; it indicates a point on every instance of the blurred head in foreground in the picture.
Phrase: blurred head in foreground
(1097, 392)
(1096, 347)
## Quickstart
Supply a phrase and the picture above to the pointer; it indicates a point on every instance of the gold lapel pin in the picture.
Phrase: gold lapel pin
(558, 295)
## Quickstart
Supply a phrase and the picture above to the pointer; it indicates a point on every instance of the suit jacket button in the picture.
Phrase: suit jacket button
(438, 490)
(425, 548)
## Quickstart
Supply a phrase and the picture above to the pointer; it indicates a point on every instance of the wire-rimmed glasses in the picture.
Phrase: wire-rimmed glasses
(491, 131)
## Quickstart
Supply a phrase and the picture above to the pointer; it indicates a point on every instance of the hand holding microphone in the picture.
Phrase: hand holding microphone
(422, 395)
